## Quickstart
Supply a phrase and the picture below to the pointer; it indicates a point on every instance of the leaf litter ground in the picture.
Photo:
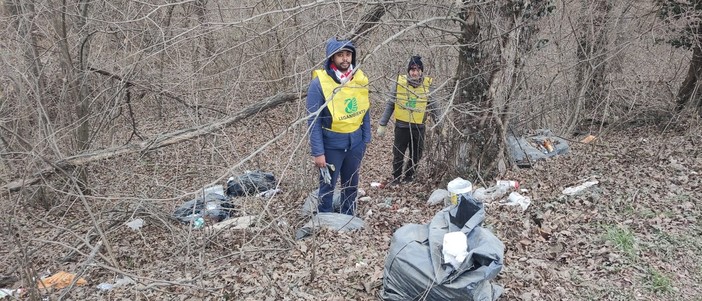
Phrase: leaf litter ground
(636, 235)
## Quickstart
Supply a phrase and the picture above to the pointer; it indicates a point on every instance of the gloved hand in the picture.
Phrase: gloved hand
(326, 172)
(381, 131)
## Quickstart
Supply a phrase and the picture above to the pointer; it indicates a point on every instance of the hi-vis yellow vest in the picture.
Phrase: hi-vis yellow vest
(348, 104)
(410, 102)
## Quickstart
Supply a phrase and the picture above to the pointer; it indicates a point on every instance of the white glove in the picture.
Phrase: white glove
(326, 174)
(381, 131)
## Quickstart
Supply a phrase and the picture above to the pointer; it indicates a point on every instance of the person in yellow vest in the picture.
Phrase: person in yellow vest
(411, 104)
(339, 123)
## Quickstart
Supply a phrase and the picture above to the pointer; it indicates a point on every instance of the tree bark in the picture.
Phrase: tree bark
(369, 21)
(690, 89)
(24, 12)
(473, 88)
(201, 12)
(487, 80)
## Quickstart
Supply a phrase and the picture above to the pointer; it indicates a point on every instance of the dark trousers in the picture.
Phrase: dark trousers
(347, 164)
(407, 138)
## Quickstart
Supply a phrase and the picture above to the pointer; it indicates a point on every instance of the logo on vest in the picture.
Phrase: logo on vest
(411, 103)
(351, 105)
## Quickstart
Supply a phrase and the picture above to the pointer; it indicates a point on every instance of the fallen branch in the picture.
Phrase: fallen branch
(154, 143)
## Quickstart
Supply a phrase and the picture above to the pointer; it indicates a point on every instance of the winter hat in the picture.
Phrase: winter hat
(415, 61)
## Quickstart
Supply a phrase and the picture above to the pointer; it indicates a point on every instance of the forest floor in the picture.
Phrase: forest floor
(636, 235)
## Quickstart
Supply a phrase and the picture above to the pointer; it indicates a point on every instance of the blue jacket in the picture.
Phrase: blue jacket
(320, 138)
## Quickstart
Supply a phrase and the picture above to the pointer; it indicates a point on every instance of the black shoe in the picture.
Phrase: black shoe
(408, 180)
(393, 183)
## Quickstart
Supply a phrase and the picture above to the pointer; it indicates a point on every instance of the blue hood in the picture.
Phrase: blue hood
(334, 46)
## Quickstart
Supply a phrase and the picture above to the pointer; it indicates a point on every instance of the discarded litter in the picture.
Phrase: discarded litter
(458, 186)
(524, 151)
(104, 286)
(574, 190)
(311, 203)
(588, 139)
(241, 222)
(198, 223)
(495, 192)
(516, 199)
(455, 248)
(218, 189)
(213, 207)
(135, 224)
(415, 258)
(60, 280)
(440, 196)
(250, 183)
(375, 184)
(15, 293)
(387, 203)
(268, 193)
(119, 282)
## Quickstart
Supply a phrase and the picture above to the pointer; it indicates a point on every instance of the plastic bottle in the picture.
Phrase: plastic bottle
(508, 184)
(501, 188)
(199, 223)
(516, 199)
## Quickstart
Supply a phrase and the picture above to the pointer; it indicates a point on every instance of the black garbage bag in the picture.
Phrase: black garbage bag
(250, 183)
(212, 206)
(415, 268)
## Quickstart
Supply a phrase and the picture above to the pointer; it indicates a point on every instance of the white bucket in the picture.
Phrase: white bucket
(458, 186)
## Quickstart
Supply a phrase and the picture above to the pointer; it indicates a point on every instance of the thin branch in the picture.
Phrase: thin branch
(154, 143)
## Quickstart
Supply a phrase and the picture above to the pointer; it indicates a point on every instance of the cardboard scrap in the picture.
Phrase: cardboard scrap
(60, 280)
(236, 223)
(588, 139)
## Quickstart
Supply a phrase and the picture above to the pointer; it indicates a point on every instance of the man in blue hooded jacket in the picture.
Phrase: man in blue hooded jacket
(339, 123)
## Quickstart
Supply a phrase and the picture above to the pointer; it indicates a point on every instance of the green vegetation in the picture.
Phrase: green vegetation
(659, 282)
(622, 238)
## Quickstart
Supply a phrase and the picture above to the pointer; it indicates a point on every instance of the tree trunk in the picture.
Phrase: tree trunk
(487, 80)
(76, 76)
(83, 108)
(162, 54)
(591, 53)
(24, 13)
(690, 89)
(472, 93)
(201, 12)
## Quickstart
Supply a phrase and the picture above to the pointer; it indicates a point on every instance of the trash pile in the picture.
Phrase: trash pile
(497, 192)
(333, 221)
(215, 204)
(251, 183)
(451, 258)
(525, 151)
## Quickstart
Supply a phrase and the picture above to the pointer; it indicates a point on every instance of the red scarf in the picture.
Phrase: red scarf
(343, 76)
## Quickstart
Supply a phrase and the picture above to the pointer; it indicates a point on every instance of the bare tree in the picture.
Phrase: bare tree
(684, 19)
(490, 60)
(75, 72)
(590, 81)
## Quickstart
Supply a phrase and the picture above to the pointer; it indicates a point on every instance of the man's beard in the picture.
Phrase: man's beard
(341, 68)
